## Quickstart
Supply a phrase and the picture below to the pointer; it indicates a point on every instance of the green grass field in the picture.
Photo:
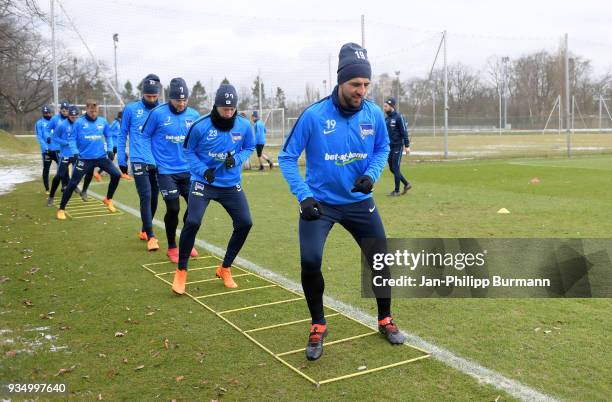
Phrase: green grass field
(83, 281)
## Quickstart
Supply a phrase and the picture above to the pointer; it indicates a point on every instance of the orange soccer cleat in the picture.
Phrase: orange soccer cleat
(226, 276)
(172, 254)
(152, 244)
(61, 215)
(109, 205)
(180, 279)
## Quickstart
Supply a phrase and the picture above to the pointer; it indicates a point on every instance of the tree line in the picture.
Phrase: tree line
(531, 83)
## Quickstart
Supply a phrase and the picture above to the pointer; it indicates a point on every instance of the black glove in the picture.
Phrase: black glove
(310, 209)
(48, 140)
(115, 151)
(209, 175)
(110, 155)
(48, 153)
(363, 184)
(73, 158)
(230, 162)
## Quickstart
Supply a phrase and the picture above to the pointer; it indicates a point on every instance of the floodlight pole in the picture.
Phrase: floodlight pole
(397, 73)
(55, 83)
(445, 99)
(115, 41)
(433, 108)
(329, 73)
(567, 100)
(362, 30)
(505, 89)
(260, 94)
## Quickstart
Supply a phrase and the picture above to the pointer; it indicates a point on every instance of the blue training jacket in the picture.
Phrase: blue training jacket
(260, 132)
(134, 116)
(398, 135)
(207, 147)
(164, 132)
(93, 137)
(41, 133)
(338, 150)
(115, 128)
(64, 135)
(53, 123)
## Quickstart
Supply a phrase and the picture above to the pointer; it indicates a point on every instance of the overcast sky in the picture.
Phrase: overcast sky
(291, 43)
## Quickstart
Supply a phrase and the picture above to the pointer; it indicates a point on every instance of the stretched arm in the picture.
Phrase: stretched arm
(41, 137)
(108, 135)
(148, 130)
(404, 131)
(289, 155)
(122, 137)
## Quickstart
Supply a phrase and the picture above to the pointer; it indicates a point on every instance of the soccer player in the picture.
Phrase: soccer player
(115, 128)
(399, 143)
(93, 139)
(216, 147)
(40, 128)
(164, 131)
(260, 139)
(143, 164)
(346, 144)
(54, 147)
(63, 135)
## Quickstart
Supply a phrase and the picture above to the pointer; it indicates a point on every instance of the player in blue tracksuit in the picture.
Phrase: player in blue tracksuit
(53, 146)
(346, 144)
(142, 162)
(216, 147)
(115, 128)
(399, 143)
(63, 135)
(260, 139)
(40, 128)
(93, 140)
(164, 131)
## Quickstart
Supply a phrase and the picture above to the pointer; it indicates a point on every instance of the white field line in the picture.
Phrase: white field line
(482, 374)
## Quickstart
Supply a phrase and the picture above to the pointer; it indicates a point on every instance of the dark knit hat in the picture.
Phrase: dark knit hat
(353, 62)
(226, 96)
(46, 109)
(391, 102)
(151, 85)
(178, 89)
(73, 111)
(255, 114)
(64, 105)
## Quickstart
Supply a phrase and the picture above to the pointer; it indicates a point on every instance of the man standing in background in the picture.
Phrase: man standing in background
(399, 142)
(260, 139)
